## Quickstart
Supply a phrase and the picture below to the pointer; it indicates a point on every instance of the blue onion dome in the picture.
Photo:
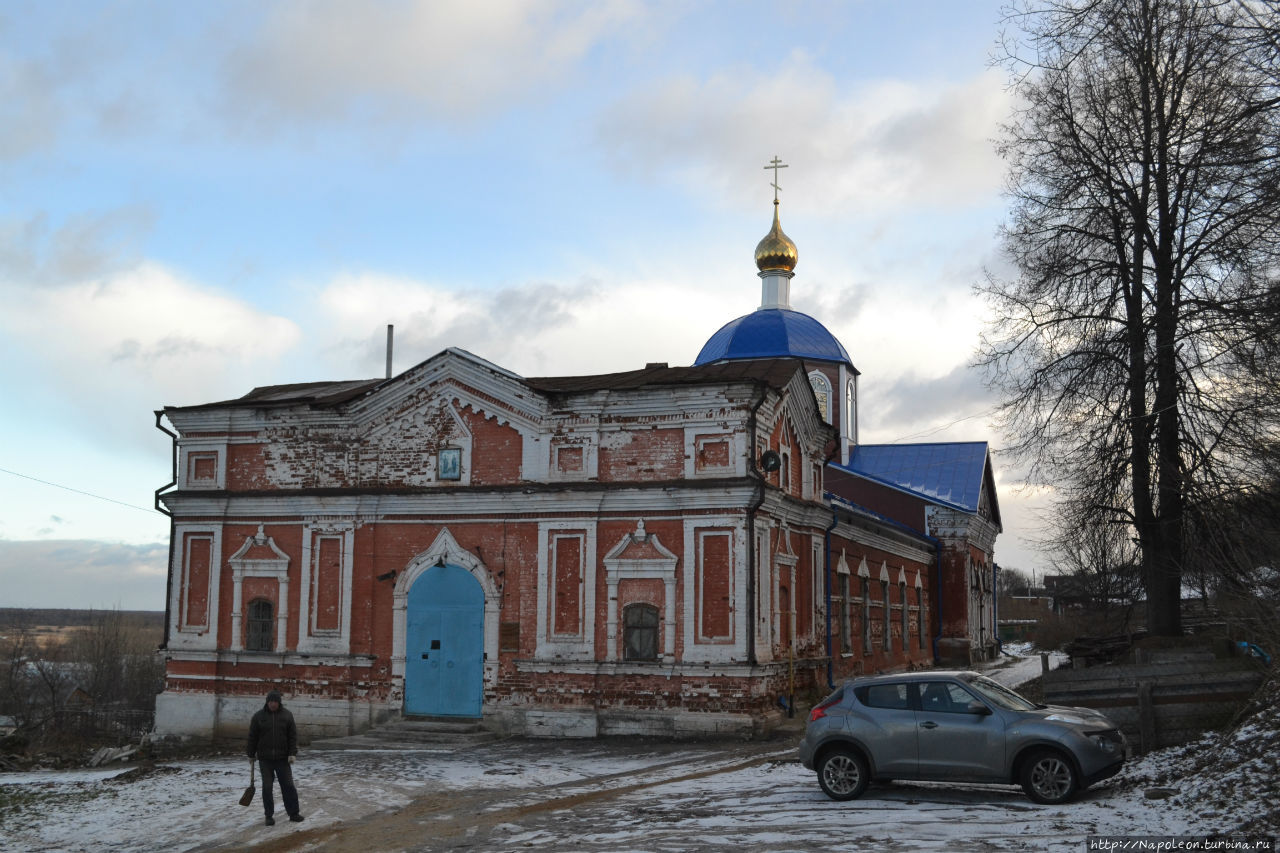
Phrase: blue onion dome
(773, 333)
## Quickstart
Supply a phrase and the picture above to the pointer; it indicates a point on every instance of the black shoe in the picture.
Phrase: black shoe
(271, 821)
(295, 818)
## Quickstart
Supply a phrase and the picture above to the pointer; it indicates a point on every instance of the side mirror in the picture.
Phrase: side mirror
(978, 709)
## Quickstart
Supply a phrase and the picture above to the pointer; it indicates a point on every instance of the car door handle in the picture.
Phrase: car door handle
(929, 725)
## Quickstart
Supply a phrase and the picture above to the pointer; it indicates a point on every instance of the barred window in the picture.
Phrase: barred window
(261, 626)
(888, 638)
(640, 632)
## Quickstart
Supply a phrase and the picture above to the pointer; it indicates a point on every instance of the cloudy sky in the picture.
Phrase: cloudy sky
(201, 198)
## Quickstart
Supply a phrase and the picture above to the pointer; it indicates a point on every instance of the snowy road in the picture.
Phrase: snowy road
(613, 795)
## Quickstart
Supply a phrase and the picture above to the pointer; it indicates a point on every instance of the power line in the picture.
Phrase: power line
(929, 432)
(77, 491)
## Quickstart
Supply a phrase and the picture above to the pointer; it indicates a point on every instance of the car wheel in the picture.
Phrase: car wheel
(1048, 777)
(842, 773)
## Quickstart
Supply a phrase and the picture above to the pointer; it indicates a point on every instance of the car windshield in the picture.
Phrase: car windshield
(998, 694)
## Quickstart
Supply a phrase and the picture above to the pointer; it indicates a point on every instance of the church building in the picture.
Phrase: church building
(665, 551)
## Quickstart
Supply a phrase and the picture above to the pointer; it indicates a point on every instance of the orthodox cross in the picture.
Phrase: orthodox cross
(775, 164)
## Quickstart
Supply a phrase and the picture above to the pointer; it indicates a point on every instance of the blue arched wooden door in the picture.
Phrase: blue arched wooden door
(444, 644)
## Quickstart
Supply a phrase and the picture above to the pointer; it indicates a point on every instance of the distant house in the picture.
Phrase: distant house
(667, 550)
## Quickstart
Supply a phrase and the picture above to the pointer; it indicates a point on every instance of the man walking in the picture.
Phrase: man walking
(273, 740)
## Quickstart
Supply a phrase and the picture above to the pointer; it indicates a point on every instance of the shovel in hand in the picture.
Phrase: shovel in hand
(247, 796)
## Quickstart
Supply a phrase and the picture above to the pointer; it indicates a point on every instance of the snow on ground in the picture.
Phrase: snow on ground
(1019, 664)
(620, 795)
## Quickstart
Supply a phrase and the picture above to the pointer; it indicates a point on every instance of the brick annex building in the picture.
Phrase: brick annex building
(671, 550)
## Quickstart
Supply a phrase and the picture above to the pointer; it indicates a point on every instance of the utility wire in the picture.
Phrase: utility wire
(77, 491)
(928, 432)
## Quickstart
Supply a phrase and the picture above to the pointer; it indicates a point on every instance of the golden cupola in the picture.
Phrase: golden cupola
(776, 251)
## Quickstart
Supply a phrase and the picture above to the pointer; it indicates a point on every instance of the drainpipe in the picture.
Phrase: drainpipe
(173, 481)
(756, 502)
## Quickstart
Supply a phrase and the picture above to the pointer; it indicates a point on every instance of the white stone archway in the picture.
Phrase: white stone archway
(444, 551)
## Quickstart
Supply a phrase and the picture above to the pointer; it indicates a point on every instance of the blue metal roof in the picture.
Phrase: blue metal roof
(950, 473)
(773, 332)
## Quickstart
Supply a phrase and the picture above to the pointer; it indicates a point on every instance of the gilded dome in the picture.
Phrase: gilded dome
(776, 251)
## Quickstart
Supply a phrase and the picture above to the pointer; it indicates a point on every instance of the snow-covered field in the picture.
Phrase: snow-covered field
(626, 795)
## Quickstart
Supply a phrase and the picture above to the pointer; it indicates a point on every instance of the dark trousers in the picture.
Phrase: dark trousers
(280, 769)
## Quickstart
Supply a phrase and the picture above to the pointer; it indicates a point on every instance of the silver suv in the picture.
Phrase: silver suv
(955, 727)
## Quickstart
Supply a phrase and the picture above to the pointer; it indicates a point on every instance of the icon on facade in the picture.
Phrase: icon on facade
(451, 464)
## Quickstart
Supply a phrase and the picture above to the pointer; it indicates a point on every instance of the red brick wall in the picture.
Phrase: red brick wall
(652, 454)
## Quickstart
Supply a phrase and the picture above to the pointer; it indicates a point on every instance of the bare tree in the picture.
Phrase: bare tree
(1136, 347)
(117, 656)
(1012, 582)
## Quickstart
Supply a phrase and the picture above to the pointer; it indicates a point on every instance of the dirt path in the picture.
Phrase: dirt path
(456, 820)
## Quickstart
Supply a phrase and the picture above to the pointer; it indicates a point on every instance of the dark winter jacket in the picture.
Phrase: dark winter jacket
(272, 734)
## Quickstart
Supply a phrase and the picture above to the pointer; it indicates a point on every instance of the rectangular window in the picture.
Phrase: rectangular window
(888, 638)
(921, 619)
(846, 636)
(906, 616)
(260, 627)
(866, 616)
(640, 632)
(819, 588)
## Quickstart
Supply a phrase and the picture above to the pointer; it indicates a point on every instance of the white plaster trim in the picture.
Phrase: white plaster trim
(842, 567)
(583, 646)
(277, 569)
(696, 648)
(694, 438)
(311, 639)
(662, 568)
(588, 442)
(188, 446)
(445, 550)
(195, 637)
(764, 626)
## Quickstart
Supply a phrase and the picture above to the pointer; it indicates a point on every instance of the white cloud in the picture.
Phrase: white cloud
(83, 573)
(459, 58)
(881, 144)
(534, 329)
(130, 342)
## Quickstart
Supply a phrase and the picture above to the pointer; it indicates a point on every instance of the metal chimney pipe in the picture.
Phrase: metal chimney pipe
(391, 331)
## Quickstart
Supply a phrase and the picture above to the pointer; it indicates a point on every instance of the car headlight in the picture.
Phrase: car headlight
(1065, 718)
(1108, 741)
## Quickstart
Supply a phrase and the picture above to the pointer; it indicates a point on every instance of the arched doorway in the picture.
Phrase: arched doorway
(444, 644)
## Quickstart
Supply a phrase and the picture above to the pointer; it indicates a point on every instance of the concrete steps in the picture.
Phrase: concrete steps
(413, 733)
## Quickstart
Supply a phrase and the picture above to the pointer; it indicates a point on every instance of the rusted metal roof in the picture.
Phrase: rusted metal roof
(299, 393)
(775, 372)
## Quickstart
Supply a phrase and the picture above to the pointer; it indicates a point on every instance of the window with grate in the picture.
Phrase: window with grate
(884, 595)
(640, 632)
(846, 635)
(920, 607)
(866, 616)
(261, 626)
(906, 616)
